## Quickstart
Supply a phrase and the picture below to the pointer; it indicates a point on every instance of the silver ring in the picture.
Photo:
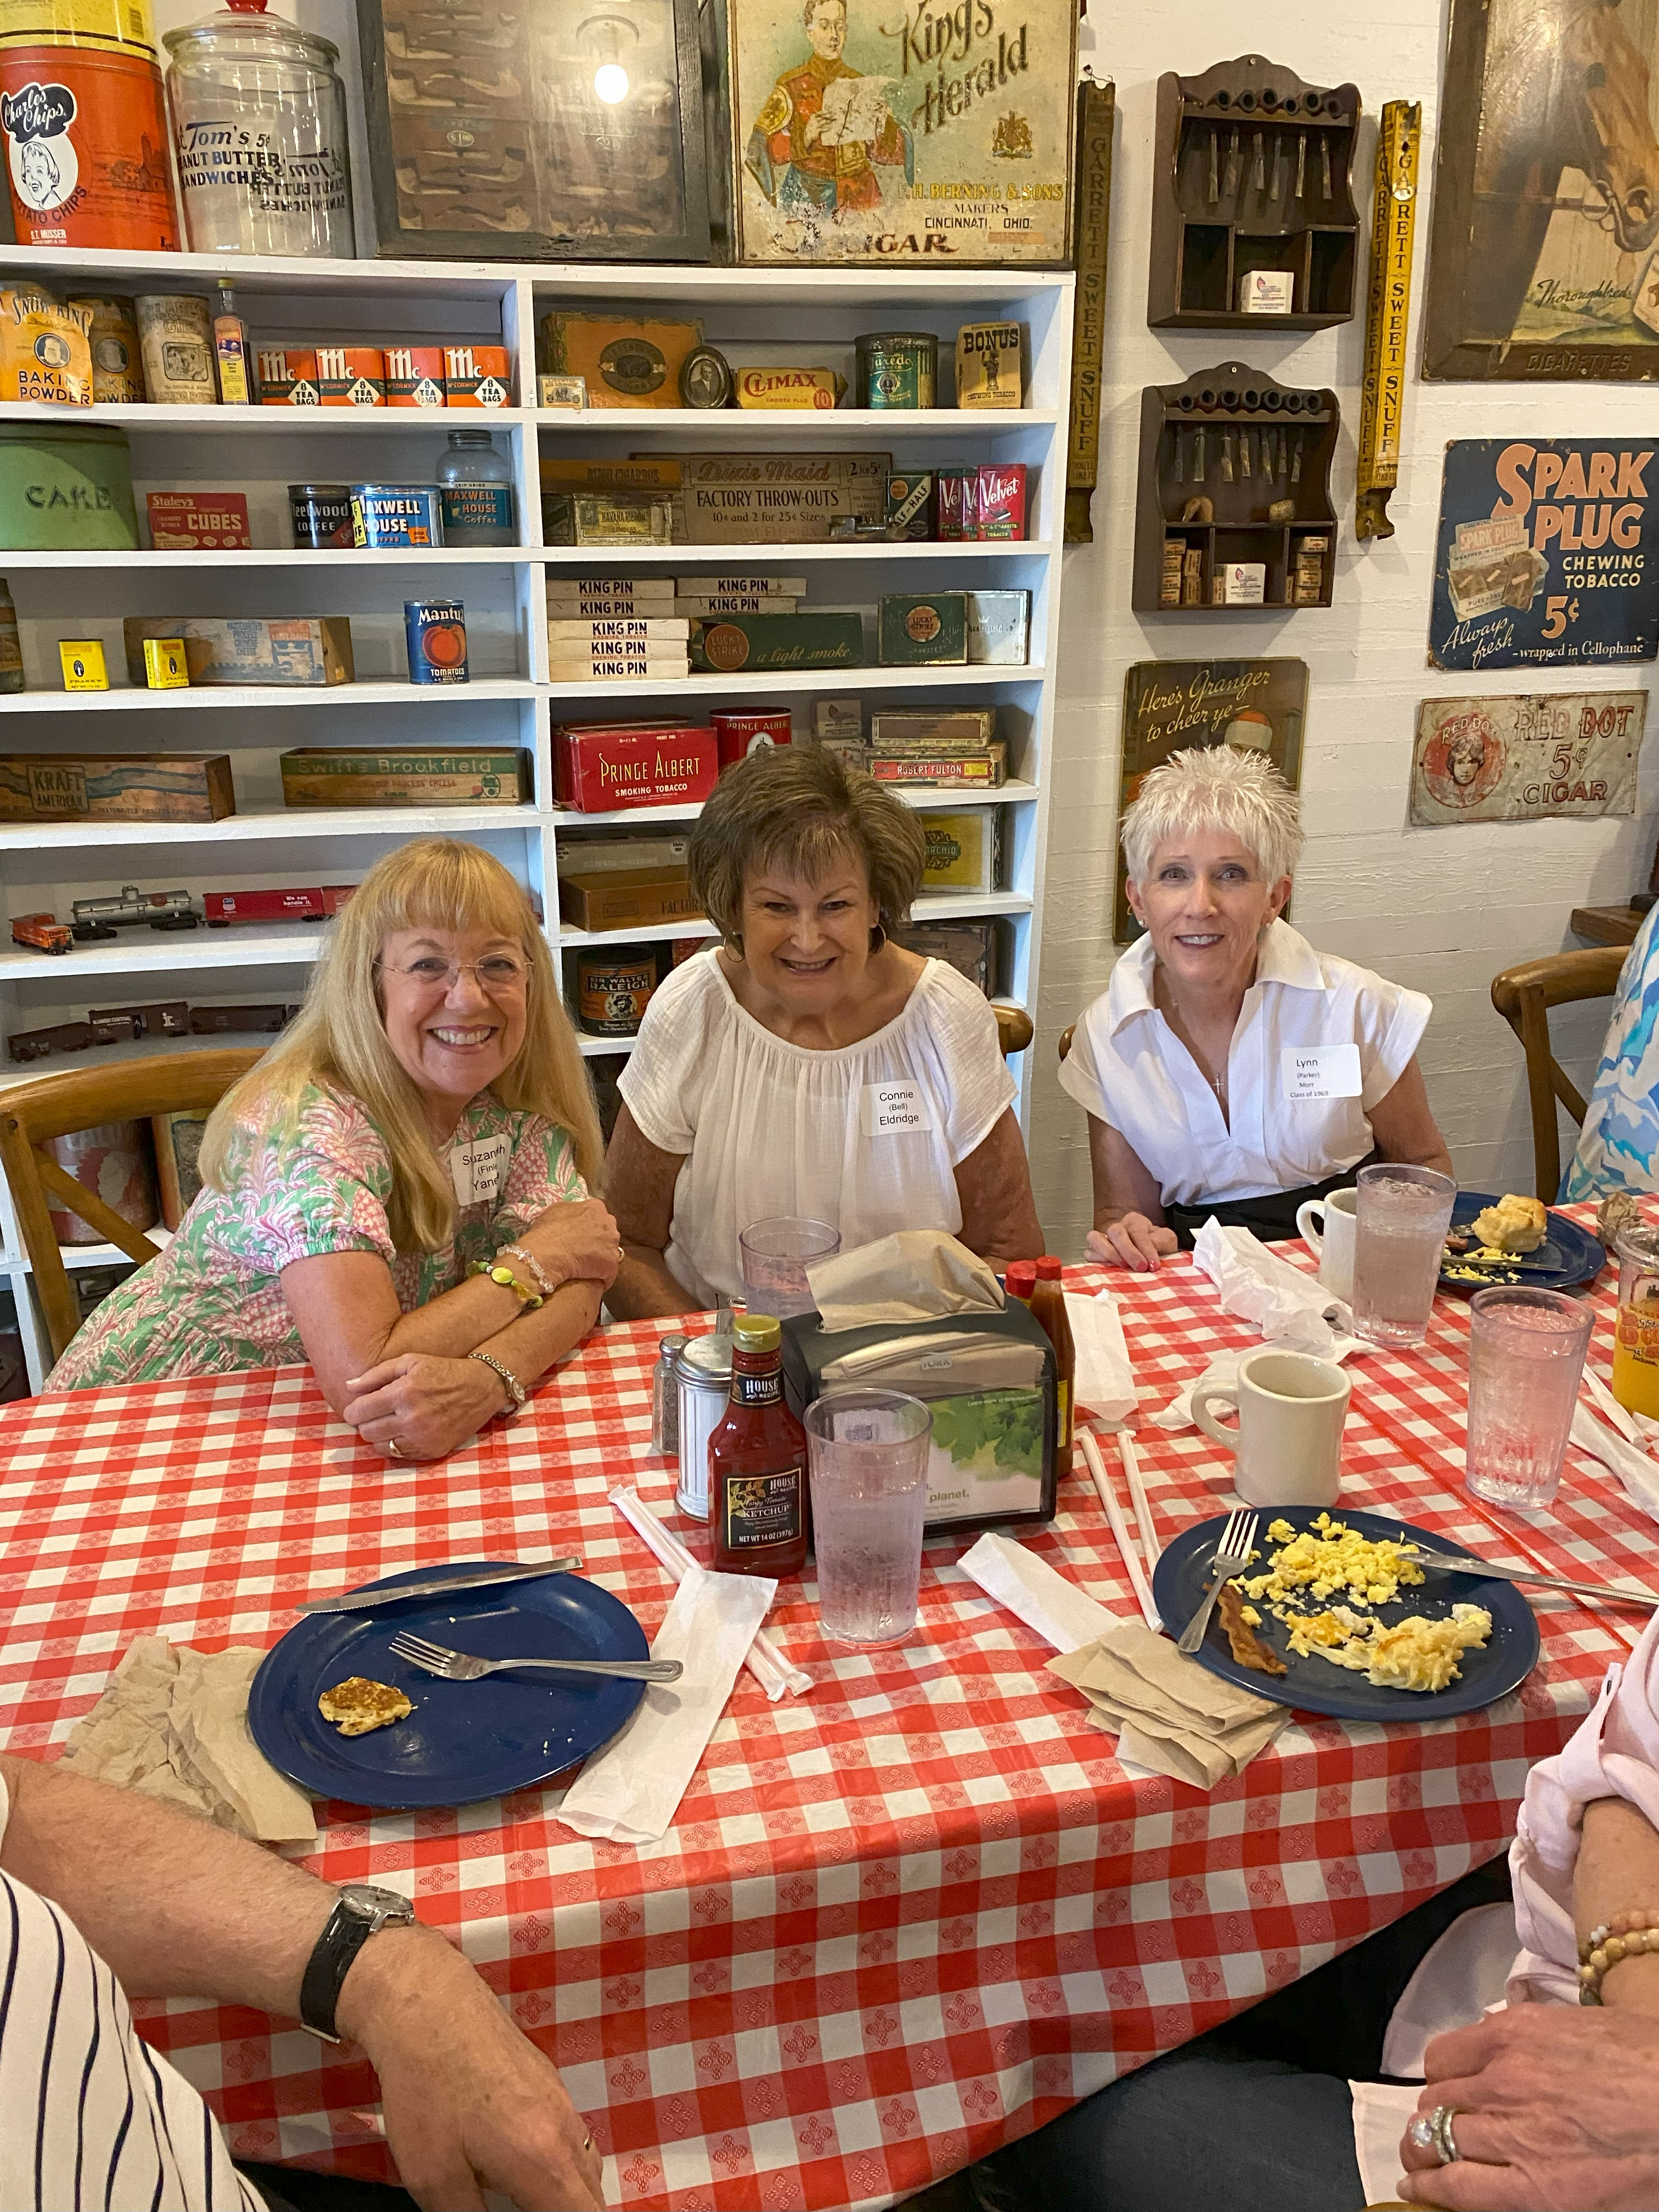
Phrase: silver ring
(393, 1448)
(1433, 2131)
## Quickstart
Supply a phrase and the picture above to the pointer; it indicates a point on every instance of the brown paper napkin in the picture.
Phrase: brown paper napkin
(172, 1723)
(916, 1274)
(1168, 1712)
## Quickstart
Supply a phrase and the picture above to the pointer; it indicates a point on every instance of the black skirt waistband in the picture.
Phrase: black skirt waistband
(1271, 1217)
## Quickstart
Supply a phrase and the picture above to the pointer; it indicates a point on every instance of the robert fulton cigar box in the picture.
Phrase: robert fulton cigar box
(777, 641)
(987, 771)
(915, 629)
(963, 850)
(405, 775)
(116, 787)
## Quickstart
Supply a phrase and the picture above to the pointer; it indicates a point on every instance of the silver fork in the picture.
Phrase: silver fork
(1232, 1555)
(461, 1666)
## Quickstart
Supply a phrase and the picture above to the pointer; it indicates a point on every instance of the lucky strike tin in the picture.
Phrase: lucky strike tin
(477, 376)
(87, 146)
(415, 376)
(897, 369)
(613, 993)
(434, 631)
(739, 735)
(395, 515)
(288, 377)
(351, 376)
(320, 513)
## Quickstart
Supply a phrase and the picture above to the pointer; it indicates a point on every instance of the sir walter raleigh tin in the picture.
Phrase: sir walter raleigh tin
(893, 131)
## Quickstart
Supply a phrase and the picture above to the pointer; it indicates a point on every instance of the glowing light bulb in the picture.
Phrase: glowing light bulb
(610, 84)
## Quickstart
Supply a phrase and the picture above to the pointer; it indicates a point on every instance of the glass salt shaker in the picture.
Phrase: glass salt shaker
(665, 1400)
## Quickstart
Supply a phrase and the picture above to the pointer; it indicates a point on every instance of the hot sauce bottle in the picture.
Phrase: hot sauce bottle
(1019, 1280)
(757, 1507)
(1048, 1311)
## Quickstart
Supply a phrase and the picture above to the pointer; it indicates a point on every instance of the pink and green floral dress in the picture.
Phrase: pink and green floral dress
(212, 1304)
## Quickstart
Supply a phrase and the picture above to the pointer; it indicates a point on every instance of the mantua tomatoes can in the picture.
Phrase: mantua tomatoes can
(84, 124)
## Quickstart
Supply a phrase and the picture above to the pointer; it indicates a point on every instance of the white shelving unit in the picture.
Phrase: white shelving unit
(752, 315)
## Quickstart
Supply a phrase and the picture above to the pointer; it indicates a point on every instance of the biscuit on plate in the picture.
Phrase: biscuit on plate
(1514, 1224)
(358, 1705)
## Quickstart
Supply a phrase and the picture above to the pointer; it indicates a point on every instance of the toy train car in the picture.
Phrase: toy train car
(122, 1024)
(65, 1036)
(41, 933)
(93, 918)
(224, 908)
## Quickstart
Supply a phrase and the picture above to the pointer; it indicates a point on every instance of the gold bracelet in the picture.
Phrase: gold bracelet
(1624, 1935)
(528, 1298)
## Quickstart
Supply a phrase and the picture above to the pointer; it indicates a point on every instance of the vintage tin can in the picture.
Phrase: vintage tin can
(288, 377)
(66, 487)
(415, 376)
(85, 133)
(320, 513)
(118, 375)
(477, 376)
(613, 992)
(703, 1369)
(910, 504)
(434, 631)
(395, 515)
(1000, 500)
(739, 735)
(956, 504)
(898, 368)
(351, 376)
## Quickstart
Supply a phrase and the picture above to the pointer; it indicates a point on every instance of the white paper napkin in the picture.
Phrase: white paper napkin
(1105, 1382)
(1632, 1467)
(1289, 1307)
(630, 1791)
(765, 1661)
(1056, 1609)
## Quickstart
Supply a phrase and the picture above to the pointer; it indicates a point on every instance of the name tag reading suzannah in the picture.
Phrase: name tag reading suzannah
(893, 1109)
(1308, 1072)
(476, 1169)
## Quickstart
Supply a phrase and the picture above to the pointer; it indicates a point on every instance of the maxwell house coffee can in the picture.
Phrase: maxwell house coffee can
(435, 632)
(395, 515)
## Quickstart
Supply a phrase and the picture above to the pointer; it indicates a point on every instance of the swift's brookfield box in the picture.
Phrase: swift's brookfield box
(116, 787)
(406, 776)
(304, 650)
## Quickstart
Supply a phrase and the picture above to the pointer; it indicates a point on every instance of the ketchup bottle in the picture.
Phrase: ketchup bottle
(1048, 1311)
(757, 1496)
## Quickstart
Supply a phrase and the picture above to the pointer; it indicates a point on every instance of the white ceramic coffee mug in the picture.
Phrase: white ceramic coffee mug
(1288, 1444)
(1331, 1242)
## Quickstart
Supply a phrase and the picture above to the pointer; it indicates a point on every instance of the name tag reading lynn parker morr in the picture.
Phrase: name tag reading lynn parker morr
(1320, 1070)
(894, 1109)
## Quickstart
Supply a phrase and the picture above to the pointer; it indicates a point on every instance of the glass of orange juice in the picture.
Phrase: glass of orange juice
(1635, 1348)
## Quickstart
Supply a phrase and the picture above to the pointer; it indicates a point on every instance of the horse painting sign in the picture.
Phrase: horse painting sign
(1548, 553)
(1544, 258)
(1567, 754)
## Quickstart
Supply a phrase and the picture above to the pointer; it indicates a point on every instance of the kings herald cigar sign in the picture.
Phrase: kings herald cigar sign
(1548, 553)
(901, 132)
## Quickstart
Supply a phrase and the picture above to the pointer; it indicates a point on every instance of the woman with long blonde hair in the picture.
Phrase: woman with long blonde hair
(398, 1192)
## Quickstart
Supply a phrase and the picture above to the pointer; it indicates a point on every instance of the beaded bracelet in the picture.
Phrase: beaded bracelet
(528, 1298)
(544, 1282)
(1626, 1936)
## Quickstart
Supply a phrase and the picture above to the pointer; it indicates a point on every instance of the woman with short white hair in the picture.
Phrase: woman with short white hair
(1229, 1068)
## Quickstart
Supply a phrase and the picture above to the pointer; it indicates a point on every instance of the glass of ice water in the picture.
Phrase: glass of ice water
(775, 1257)
(1526, 1356)
(867, 1453)
(1400, 1233)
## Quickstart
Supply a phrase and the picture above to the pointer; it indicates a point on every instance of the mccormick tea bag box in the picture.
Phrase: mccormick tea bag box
(989, 1381)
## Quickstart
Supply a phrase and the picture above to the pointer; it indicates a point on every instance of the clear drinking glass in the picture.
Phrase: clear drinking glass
(1400, 1233)
(776, 1255)
(867, 1456)
(1526, 1356)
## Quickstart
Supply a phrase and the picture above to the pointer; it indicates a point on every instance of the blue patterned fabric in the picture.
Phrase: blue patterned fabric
(1619, 1144)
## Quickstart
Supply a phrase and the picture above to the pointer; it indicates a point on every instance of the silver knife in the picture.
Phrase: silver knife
(365, 1600)
(1611, 1592)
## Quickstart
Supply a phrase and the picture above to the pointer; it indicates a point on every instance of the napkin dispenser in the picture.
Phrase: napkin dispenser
(989, 1380)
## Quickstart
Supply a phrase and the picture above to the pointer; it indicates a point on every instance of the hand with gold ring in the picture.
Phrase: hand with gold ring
(422, 1405)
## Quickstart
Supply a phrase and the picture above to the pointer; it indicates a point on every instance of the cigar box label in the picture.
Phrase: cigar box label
(608, 476)
(617, 671)
(776, 641)
(626, 361)
(961, 850)
(197, 521)
(838, 719)
(612, 610)
(914, 630)
(568, 394)
(990, 365)
(936, 729)
(695, 587)
(618, 629)
(639, 587)
(598, 518)
(985, 769)
(817, 389)
(999, 626)
(781, 498)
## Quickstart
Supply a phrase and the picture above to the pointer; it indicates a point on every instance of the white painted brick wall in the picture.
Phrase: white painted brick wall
(1442, 910)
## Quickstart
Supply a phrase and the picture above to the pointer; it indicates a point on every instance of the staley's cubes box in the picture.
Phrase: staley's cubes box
(988, 1381)
(598, 766)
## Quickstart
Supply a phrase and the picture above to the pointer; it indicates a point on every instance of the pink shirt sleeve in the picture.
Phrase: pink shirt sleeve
(1615, 1753)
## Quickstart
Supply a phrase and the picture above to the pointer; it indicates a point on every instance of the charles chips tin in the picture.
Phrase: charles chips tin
(321, 514)
(395, 515)
(897, 369)
(434, 631)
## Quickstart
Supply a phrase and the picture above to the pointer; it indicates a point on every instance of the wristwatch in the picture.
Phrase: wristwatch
(361, 1911)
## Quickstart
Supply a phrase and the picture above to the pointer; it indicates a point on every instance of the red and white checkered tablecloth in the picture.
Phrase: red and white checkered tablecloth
(900, 1920)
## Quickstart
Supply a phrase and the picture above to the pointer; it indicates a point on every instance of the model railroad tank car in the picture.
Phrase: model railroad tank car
(93, 918)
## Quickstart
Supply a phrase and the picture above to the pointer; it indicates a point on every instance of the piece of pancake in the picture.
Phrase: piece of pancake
(358, 1705)
(1247, 1646)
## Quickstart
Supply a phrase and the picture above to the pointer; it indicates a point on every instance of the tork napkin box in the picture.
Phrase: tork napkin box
(990, 1379)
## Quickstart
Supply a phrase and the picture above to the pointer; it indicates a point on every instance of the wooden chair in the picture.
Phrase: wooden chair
(1523, 996)
(1014, 1030)
(1065, 1036)
(59, 1105)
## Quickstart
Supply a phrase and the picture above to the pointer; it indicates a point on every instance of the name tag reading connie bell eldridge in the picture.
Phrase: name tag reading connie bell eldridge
(893, 1109)
(476, 1169)
(1320, 1070)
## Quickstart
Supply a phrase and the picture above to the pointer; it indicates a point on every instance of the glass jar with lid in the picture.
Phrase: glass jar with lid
(259, 132)
(1636, 1342)
(475, 491)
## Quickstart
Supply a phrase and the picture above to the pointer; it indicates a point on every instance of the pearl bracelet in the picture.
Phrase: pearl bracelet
(1627, 1935)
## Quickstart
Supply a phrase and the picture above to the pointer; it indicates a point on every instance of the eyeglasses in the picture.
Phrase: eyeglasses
(498, 971)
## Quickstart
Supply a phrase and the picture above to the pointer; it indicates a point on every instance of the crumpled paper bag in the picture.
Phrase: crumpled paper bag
(916, 1274)
(172, 1723)
(1167, 1712)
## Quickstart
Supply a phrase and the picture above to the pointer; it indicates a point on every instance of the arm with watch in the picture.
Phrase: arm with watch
(178, 1908)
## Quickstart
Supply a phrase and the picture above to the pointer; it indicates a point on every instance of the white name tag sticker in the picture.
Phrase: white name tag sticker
(476, 1169)
(893, 1109)
(1320, 1070)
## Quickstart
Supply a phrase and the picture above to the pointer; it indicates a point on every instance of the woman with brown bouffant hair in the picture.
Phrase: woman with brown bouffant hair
(809, 1065)
(398, 1191)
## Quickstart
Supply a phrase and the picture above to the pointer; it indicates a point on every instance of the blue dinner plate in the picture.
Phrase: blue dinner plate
(1570, 1254)
(1509, 1656)
(464, 1740)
